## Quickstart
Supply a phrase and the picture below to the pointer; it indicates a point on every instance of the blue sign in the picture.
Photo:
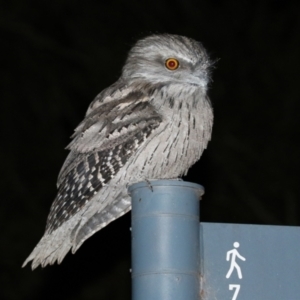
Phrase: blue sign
(249, 262)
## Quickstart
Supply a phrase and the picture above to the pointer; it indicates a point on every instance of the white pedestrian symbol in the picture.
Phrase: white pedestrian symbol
(233, 264)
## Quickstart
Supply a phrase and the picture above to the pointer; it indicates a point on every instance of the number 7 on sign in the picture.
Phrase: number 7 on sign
(237, 289)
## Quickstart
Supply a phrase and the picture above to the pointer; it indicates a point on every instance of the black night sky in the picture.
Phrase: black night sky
(56, 56)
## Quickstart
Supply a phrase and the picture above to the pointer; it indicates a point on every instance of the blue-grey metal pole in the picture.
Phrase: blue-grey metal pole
(165, 240)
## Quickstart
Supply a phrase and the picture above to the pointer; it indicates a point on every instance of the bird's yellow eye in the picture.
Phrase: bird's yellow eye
(172, 64)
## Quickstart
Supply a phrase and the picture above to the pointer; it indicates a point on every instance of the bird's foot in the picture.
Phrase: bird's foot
(149, 185)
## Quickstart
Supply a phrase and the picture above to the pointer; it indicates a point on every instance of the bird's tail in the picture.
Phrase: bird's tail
(52, 247)
(71, 234)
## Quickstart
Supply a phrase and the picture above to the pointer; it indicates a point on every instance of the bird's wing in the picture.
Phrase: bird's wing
(105, 140)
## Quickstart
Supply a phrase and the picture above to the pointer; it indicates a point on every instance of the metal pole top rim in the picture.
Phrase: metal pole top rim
(166, 183)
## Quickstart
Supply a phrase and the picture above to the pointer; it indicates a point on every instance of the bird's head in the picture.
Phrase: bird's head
(168, 58)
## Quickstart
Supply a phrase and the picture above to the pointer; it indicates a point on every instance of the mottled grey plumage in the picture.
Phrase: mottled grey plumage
(153, 123)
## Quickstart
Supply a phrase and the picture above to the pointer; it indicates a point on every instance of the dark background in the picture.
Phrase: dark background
(57, 55)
